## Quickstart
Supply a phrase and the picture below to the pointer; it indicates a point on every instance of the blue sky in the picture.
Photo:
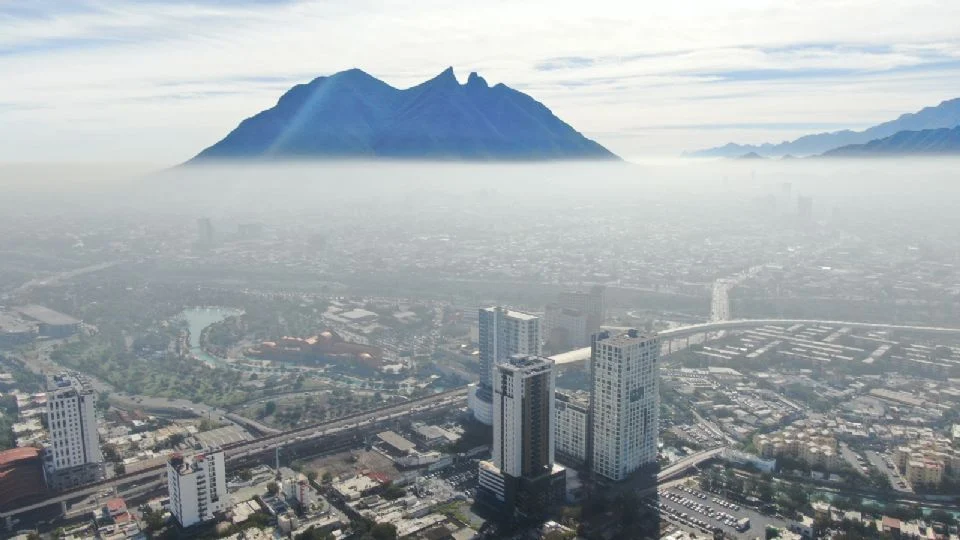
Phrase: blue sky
(155, 82)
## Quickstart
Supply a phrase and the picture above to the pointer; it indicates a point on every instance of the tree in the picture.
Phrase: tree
(772, 532)
(176, 439)
(312, 476)
(384, 531)
(269, 408)
(942, 516)
(153, 519)
(103, 402)
(273, 488)
(313, 534)
(119, 469)
(327, 477)
(393, 492)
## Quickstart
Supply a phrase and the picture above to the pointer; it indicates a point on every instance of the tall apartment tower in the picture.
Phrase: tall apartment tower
(522, 480)
(197, 486)
(73, 457)
(625, 402)
(578, 315)
(503, 333)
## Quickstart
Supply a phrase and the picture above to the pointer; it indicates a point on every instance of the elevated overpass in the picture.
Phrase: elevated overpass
(583, 355)
(364, 422)
(692, 460)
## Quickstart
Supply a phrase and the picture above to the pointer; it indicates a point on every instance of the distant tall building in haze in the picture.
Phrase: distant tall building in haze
(73, 457)
(805, 208)
(205, 231)
(573, 318)
(503, 333)
(625, 402)
(522, 480)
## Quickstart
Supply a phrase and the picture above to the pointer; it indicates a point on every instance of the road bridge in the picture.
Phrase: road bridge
(583, 355)
(359, 422)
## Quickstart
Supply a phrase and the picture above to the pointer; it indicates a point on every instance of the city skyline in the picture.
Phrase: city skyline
(156, 82)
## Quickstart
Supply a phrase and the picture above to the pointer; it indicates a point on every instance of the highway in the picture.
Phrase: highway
(582, 355)
(237, 451)
(687, 462)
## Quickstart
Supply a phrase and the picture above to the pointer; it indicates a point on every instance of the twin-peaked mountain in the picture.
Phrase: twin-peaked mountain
(354, 115)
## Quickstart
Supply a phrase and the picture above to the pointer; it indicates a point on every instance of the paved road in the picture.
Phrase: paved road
(895, 479)
(56, 278)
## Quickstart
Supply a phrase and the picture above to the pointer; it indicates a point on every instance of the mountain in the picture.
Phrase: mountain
(354, 115)
(944, 115)
(905, 143)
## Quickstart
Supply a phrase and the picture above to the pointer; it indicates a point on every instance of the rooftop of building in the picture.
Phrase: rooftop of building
(626, 338)
(68, 381)
(46, 315)
(11, 324)
(576, 397)
(521, 362)
(396, 441)
(519, 315)
(184, 465)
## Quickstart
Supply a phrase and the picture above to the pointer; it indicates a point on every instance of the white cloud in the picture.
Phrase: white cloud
(158, 81)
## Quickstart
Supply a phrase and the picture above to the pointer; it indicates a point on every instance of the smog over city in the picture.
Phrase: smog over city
(274, 270)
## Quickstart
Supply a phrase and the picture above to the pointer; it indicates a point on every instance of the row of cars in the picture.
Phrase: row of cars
(718, 517)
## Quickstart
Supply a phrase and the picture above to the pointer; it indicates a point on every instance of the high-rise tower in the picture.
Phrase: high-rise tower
(503, 333)
(625, 402)
(522, 479)
(73, 457)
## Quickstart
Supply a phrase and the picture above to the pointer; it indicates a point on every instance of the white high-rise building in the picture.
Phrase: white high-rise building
(572, 426)
(625, 402)
(522, 478)
(73, 457)
(197, 486)
(503, 333)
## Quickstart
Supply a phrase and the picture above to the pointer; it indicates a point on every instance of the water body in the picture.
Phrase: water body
(199, 318)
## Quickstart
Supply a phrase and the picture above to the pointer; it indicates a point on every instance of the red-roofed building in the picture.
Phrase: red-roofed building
(21, 476)
(114, 522)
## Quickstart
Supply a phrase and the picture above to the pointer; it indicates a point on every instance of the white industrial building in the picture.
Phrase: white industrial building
(73, 457)
(197, 486)
(625, 402)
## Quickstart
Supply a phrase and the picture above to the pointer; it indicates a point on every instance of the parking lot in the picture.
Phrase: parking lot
(703, 512)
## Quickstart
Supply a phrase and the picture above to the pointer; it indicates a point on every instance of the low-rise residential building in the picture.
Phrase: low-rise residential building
(925, 462)
(815, 447)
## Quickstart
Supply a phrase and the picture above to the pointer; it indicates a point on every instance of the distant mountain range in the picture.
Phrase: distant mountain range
(944, 115)
(905, 143)
(354, 115)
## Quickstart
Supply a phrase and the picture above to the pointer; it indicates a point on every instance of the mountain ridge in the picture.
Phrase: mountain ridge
(928, 142)
(944, 115)
(351, 114)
